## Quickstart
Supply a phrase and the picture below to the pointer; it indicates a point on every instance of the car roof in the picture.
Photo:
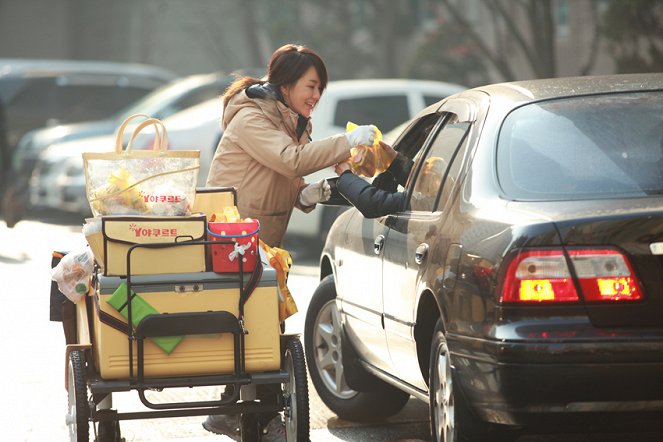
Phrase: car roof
(541, 89)
(43, 67)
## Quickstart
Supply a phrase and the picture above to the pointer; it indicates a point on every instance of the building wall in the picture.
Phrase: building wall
(183, 36)
(34, 28)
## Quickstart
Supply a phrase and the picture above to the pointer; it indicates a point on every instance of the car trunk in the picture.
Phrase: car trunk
(633, 234)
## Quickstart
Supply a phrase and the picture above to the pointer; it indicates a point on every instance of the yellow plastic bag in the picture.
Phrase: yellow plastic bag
(120, 194)
(281, 261)
(230, 214)
(366, 160)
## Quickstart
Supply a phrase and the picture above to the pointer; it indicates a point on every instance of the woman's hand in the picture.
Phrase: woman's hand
(342, 167)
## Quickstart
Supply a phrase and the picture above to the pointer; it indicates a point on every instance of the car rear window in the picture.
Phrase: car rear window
(601, 146)
(68, 102)
(386, 111)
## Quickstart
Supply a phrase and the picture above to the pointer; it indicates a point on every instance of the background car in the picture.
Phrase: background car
(58, 180)
(519, 287)
(385, 103)
(161, 103)
(38, 93)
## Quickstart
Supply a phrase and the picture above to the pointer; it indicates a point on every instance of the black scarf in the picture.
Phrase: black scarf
(271, 91)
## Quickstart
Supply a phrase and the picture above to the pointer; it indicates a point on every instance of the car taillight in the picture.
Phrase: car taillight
(605, 275)
(543, 276)
(536, 276)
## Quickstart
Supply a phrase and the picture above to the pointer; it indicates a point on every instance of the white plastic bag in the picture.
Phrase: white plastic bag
(73, 274)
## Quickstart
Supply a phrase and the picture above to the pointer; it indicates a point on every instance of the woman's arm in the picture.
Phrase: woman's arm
(274, 148)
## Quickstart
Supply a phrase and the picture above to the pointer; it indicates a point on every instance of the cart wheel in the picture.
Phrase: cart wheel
(296, 414)
(109, 431)
(249, 427)
(79, 413)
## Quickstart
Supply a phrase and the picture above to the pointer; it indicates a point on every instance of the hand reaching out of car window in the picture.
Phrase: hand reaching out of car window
(342, 167)
(391, 153)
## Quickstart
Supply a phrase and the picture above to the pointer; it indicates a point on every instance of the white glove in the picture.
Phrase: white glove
(315, 193)
(361, 135)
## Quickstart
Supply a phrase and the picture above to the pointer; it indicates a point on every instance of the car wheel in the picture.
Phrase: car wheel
(451, 419)
(322, 343)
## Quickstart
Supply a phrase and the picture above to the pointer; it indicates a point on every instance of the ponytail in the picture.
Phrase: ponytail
(237, 86)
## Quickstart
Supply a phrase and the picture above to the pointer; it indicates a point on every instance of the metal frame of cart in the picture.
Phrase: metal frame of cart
(90, 396)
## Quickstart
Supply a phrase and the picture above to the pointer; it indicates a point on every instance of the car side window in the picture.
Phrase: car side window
(408, 144)
(432, 169)
(46, 98)
(414, 137)
(384, 111)
(453, 172)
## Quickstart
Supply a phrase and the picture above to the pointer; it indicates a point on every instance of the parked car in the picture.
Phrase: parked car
(520, 285)
(58, 180)
(382, 102)
(161, 103)
(40, 93)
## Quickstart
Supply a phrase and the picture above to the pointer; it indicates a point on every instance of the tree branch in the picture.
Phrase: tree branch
(513, 30)
(500, 64)
(593, 50)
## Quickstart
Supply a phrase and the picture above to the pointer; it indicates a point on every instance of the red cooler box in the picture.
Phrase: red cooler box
(244, 237)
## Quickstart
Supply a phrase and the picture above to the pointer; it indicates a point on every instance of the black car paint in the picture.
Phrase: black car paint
(520, 365)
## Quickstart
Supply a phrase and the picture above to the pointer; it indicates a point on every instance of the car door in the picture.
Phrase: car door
(359, 267)
(406, 247)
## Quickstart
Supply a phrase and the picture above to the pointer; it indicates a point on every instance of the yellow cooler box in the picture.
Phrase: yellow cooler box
(194, 354)
(122, 232)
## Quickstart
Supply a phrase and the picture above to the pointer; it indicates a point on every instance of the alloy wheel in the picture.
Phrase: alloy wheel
(328, 351)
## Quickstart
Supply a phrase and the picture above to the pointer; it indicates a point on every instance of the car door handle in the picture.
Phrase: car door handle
(420, 253)
(378, 244)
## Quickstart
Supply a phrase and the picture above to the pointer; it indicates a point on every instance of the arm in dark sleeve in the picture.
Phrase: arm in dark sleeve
(369, 200)
(395, 175)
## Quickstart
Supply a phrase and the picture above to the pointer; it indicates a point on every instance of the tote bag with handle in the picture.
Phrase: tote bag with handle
(158, 182)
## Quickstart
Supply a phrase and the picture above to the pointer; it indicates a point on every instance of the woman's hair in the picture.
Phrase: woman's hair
(287, 65)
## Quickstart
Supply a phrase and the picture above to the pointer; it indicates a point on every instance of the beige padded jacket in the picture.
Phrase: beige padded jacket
(260, 155)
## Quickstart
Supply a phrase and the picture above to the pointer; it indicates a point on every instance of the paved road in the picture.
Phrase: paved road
(33, 401)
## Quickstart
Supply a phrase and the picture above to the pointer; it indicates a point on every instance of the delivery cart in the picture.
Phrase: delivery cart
(218, 329)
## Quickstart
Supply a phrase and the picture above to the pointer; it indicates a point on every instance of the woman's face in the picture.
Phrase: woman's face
(304, 94)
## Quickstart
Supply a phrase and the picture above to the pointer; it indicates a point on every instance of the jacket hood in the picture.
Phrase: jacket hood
(265, 91)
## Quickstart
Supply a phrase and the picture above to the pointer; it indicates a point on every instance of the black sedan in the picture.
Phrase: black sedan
(520, 286)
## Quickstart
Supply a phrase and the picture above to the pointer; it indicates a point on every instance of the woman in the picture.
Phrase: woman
(266, 146)
(265, 151)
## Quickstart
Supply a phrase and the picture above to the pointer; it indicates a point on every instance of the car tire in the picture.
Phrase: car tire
(322, 335)
(451, 419)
